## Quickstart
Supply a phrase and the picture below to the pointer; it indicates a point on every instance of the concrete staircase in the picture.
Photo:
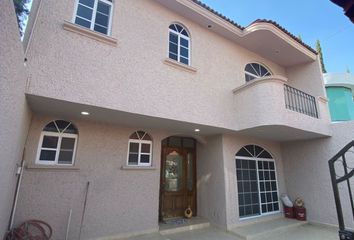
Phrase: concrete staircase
(190, 224)
(265, 229)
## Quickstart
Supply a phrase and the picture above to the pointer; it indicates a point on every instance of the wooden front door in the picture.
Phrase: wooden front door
(178, 181)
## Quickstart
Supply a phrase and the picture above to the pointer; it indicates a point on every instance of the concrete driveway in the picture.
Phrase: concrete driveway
(304, 232)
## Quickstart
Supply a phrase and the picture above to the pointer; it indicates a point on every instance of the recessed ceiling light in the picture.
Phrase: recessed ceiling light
(85, 113)
(197, 130)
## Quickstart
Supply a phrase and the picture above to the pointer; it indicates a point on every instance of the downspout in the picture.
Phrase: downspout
(18, 184)
(19, 173)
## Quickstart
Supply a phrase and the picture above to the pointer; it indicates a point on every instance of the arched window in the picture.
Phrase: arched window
(179, 44)
(256, 182)
(57, 143)
(256, 70)
(140, 149)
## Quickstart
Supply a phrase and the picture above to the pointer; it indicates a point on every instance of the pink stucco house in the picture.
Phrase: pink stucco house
(160, 105)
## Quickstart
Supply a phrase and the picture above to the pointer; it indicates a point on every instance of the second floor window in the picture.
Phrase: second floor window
(179, 44)
(95, 15)
(256, 70)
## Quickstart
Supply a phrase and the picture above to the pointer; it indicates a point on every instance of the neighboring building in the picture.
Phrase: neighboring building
(339, 88)
(163, 105)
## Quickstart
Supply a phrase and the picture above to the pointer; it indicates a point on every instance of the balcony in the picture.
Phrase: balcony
(300, 101)
(270, 108)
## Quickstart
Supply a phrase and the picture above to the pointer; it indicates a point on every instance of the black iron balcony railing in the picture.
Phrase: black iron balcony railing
(299, 101)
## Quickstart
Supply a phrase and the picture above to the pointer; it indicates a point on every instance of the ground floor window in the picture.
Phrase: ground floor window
(57, 144)
(140, 149)
(256, 182)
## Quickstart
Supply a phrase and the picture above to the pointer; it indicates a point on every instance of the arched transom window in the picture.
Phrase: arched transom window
(179, 44)
(57, 143)
(140, 149)
(256, 182)
(256, 70)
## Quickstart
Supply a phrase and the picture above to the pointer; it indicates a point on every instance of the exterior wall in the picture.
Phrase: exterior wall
(119, 201)
(31, 21)
(308, 78)
(341, 104)
(132, 76)
(15, 115)
(307, 173)
(210, 183)
(231, 145)
(125, 202)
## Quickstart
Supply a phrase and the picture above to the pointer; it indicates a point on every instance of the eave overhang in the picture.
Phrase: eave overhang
(263, 37)
(348, 7)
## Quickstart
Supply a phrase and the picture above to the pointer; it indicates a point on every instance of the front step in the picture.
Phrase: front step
(189, 224)
(265, 228)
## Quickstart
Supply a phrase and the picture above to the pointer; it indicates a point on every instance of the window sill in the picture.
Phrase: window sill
(178, 65)
(52, 168)
(125, 167)
(72, 27)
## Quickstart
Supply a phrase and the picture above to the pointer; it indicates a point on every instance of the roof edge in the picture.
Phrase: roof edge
(275, 24)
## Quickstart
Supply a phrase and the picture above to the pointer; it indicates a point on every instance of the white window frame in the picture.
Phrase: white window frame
(253, 75)
(94, 11)
(140, 142)
(57, 150)
(258, 182)
(179, 36)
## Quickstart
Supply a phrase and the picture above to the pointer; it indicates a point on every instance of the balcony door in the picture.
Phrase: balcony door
(178, 177)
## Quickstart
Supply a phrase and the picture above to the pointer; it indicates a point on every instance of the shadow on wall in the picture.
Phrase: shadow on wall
(307, 171)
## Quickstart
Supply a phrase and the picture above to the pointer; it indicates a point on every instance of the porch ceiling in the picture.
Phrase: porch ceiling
(64, 109)
(261, 37)
(70, 110)
(280, 133)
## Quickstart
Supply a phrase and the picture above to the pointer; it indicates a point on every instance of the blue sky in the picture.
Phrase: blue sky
(312, 19)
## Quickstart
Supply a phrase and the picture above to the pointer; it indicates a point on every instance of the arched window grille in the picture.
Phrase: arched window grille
(140, 149)
(57, 145)
(256, 70)
(179, 44)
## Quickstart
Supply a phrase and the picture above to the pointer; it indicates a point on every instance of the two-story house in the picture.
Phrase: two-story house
(161, 105)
